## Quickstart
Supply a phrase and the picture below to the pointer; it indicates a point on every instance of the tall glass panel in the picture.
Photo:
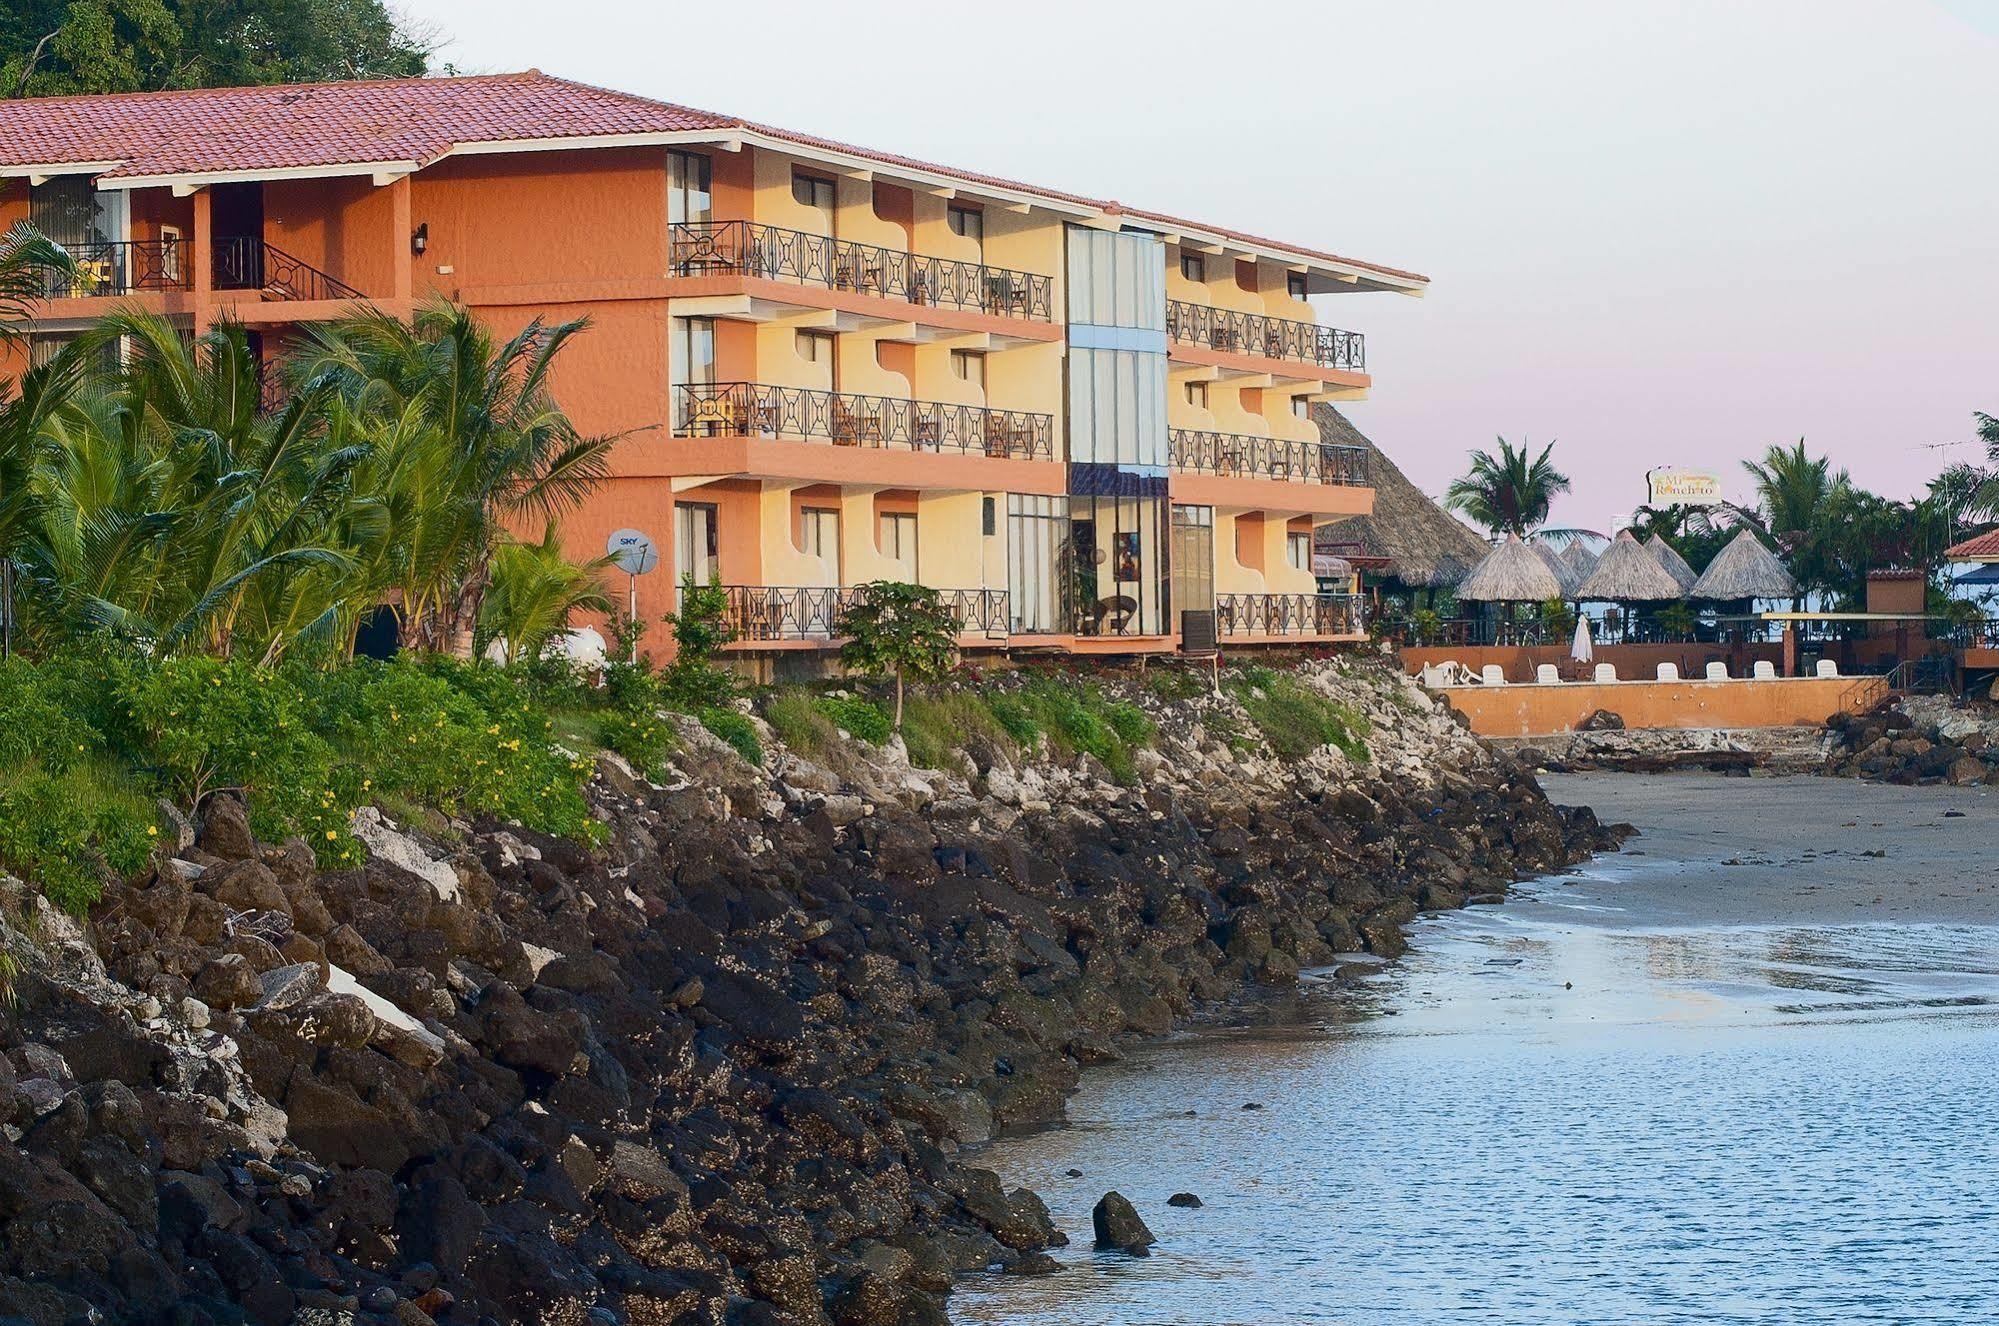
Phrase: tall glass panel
(1037, 554)
(688, 195)
(1193, 559)
(1119, 546)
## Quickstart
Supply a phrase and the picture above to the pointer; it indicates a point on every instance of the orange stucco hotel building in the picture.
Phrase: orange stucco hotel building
(828, 365)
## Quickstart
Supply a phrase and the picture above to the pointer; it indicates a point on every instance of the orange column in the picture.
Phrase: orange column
(204, 263)
(400, 228)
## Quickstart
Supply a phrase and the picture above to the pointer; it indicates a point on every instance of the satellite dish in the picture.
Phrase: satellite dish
(632, 551)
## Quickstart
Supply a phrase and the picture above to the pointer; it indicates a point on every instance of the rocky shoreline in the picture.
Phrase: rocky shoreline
(719, 1070)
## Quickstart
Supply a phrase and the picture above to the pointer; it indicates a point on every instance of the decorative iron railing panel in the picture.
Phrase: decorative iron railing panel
(244, 262)
(790, 612)
(120, 267)
(1290, 614)
(1271, 338)
(1239, 455)
(759, 409)
(747, 248)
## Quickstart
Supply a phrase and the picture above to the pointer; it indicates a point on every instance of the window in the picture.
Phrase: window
(812, 191)
(689, 200)
(1193, 580)
(989, 520)
(1192, 267)
(898, 541)
(1039, 581)
(814, 347)
(170, 254)
(1298, 550)
(1197, 395)
(695, 544)
(693, 351)
(1296, 285)
(1116, 280)
(819, 535)
(968, 223)
(969, 366)
(1301, 407)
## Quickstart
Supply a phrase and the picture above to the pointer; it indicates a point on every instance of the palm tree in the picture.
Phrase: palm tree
(535, 591)
(26, 259)
(1794, 490)
(465, 440)
(170, 511)
(1508, 493)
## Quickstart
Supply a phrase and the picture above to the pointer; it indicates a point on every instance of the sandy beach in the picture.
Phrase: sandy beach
(1849, 853)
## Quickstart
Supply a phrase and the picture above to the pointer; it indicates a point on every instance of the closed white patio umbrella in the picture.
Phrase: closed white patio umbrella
(1582, 650)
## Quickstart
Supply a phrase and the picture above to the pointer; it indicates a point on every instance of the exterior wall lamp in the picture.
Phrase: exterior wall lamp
(420, 238)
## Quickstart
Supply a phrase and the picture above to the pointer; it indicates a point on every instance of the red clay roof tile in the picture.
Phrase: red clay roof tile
(216, 130)
(1983, 547)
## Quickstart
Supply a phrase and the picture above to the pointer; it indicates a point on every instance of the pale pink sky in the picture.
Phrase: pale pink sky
(1658, 233)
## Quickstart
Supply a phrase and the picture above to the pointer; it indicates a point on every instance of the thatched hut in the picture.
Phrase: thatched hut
(1745, 569)
(1511, 573)
(1579, 559)
(1669, 557)
(1563, 571)
(1409, 540)
(1628, 573)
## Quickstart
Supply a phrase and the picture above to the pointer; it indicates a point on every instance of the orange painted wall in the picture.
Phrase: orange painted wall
(1537, 711)
(344, 227)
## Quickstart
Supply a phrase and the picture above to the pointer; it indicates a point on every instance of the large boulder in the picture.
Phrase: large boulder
(1117, 1225)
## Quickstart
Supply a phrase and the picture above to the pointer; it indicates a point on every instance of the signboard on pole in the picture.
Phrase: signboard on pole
(1671, 486)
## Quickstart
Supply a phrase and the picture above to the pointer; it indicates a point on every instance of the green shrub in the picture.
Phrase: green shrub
(1013, 715)
(63, 830)
(794, 713)
(38, 723)
(933, 726)
(1294, 719)
(1174, 684)
(738, 731)
(1077, 718)
(860, 719)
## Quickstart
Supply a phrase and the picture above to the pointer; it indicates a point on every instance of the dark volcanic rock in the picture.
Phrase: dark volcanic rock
(1117, 1225)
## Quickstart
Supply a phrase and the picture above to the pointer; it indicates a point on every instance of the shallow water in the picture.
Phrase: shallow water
(1563, 1111)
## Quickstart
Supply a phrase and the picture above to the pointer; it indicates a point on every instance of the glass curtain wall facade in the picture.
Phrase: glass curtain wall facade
(1118, 534)
(1038, 579)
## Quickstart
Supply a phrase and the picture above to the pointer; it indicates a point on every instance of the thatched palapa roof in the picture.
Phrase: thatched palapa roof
(1425, 547)
(1580, 560)
(1669, 557)
(1511, 573)
(1563, 571)
(1745, 569)
(1627, 573)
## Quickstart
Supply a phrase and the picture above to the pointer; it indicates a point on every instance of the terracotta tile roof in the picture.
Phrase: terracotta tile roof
(1983, 548)
(305, 125)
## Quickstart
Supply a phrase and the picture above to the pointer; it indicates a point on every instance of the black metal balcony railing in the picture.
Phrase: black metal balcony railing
(789, 612)
(1271, 338)
(119, 267)
(1290, 614)
(1242, 456)
(746, 248)
(244, 262)
(758, 409)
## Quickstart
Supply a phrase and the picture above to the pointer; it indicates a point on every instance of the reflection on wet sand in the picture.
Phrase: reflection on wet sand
(1575, 1108)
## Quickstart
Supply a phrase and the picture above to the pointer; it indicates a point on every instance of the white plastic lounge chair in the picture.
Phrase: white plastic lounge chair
(1764, 670)
(1827, 668)
(1606, 672)
(1669, 672)
(1717, 671)
(1547, 674)
(1492, 675)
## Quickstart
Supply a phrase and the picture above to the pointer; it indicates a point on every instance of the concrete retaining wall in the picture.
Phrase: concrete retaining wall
(1530, 711)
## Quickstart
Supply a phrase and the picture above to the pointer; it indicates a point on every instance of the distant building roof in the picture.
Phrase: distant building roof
(1983, 548)
(409, 123)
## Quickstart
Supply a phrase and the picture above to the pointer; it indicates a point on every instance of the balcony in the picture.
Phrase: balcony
(761, 614)
(1266, 337)
(1237, 455)
(1304, 615)
(120, 267)
(746, 248)
(246, 263)
(757, 409)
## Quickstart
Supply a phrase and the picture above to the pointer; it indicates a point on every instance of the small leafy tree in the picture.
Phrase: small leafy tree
(693, 681)
(1677, 619)
(535, 591)
(1558, 618)
(899, 630)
